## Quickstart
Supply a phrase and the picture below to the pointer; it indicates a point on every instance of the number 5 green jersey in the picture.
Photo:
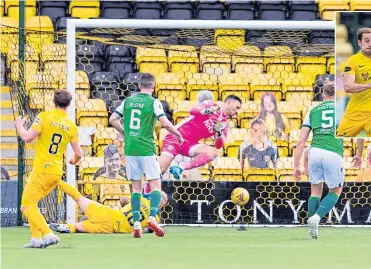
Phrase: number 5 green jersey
(321, 119)
(140, 113)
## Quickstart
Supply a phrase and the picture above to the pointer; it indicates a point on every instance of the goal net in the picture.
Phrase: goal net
(277, 73)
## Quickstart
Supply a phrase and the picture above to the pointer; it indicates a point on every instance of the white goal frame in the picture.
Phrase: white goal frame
(72, 24)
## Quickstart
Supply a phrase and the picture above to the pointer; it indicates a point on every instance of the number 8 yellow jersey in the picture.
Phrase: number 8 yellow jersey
(56, 131)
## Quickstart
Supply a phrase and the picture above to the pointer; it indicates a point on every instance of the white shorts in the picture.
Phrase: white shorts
(325, 166)
(136, 166)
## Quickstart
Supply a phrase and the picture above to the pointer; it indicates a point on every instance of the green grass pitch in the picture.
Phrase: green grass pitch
(193, 248)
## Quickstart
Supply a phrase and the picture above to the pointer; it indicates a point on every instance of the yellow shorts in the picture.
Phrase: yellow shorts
(353, 122)
(100, 219)
(38, 186)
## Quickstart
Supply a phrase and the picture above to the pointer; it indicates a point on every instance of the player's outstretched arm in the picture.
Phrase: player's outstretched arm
(26, 135)
(114, 120)
(351, 87)
(303, 137)
(357, 159)
(78, 153)
(170, 128)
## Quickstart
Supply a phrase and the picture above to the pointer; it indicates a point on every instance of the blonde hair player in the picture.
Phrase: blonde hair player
(53, 130)
(357, 82)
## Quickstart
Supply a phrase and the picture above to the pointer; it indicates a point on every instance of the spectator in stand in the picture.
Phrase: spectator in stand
(277, 124)
(259, 151)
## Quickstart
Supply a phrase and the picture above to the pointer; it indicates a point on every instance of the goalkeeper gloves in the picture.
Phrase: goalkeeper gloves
(209, 110)
(218, 128)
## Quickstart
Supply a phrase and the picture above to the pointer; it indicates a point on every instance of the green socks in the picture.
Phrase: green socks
(155, 203)
(327, 204)
(135, 205)
(313, 204)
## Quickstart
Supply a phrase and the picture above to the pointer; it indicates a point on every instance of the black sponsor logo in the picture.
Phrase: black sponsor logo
(360, 66)
(347, 69)
(365, 76)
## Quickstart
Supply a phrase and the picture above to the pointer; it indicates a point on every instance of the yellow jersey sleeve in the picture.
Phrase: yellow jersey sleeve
(350, 67)
(74, 133)
(37, 124)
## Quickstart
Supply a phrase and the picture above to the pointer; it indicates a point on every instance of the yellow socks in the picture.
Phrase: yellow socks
(36, 220)
(35, 232)
(72, 228)
(69, 190)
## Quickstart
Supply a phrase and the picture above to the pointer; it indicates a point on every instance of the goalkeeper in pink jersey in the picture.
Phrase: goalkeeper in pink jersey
(206, 120)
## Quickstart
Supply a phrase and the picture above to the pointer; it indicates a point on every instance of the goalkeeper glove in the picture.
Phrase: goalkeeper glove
(210, 110)
(218, 128)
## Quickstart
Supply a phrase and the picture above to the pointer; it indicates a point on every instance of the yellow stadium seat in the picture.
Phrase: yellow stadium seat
(285, 169)
(201, 81)
(229, 39)
(312, 66)
(181, 111)
(331, 65)
(163, 133)
(282, 144)
(41, 88)
(87, 168)
(263, 83)
(344, 50)
(102, 138)
(278, 58)
(349, 148)
(260, 174)
(227, 169)
(30, 54)
(341, 33)
(248, 56)
(327, 8)
(297, 86)
(84, 9)
(152, 61)
(109, 190)
(215, 60)
(2, 8)
(92, 113)
(39, 31)
(360, 5)
(30, 69)
(292, 112)
(249, 110)
(53, 53)
(9, 33)
(56, 69)
(12, 8)
(233, 84)
(235, 138)
(351, 173)
(183, 60)
(293, 141)
(171, 88)
(82, 85)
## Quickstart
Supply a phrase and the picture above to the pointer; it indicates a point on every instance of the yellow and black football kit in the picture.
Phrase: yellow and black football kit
(104, 219)
(357, 115)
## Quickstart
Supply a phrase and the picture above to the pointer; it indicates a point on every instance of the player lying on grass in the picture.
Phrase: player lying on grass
(206, 120)
(104, 219)
(139, 114)
(325, 158)
(53, 130)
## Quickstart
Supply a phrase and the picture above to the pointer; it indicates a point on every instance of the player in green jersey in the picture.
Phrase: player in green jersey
(325, 158)
(139, 114)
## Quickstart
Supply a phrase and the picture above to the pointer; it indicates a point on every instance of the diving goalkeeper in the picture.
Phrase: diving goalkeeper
(104, 219)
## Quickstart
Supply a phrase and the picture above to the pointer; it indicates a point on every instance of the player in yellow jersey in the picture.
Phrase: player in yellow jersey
(357, 82)
(102, 218)
(53, 130)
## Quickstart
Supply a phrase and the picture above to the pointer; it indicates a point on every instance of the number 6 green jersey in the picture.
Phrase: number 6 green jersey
(321, 119)
(140, 113)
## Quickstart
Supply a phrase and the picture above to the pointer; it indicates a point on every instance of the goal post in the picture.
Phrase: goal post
(115, 25)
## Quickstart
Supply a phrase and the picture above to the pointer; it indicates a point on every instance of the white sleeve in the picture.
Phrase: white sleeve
(120, 109)
(306, 122)
(158, 109)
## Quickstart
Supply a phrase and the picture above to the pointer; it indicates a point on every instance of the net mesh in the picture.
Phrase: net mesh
(278, 71)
